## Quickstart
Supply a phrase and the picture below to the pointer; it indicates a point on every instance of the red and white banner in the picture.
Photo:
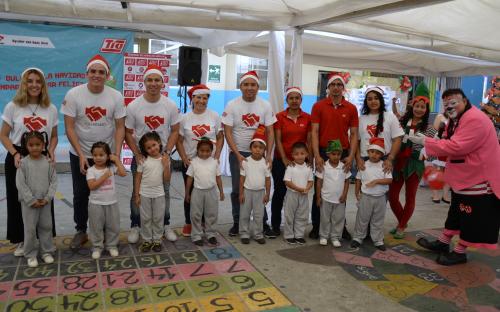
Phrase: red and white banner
(134, 65)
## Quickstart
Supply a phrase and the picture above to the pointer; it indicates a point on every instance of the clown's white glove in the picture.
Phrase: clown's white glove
(417, 138)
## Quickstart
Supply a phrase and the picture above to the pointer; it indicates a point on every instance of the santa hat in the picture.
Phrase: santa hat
(421, 93)
(153, 69)
(32, 68)
(343, 76)
(374, 89)
(259, 135)
(293, 89)
(204, 139)
(98, 59)
(377, 144)
(251, 74)
(198, 89)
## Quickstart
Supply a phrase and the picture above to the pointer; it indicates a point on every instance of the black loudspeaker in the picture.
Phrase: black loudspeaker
(189, 72)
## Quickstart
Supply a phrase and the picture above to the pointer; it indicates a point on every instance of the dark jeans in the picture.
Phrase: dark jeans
(315, 212)
(81, 193)
(135, 214)
(279, 193)
(234, 167)
(187, 206)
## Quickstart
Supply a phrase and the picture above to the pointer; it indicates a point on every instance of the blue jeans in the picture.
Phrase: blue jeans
(135, 215)
(81, 193)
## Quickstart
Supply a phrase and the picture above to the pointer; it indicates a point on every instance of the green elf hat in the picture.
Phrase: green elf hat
(334, 145)
(422, 93)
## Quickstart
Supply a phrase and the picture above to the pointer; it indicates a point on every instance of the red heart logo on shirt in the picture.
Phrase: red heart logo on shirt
(153, 122)
(34, 123)
(250, 119)
(200, 130)
(372, 130)
(94, 113)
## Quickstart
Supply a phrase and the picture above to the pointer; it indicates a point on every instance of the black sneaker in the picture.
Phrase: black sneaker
(235, 230)
(212, 241)
(245, 241)
(346, 235)
(451, 258)
(198, 242)
(270, 233)
(261, 241)
(145, 247)
(290, 241)
(300, 241)
(381, 247)
(156, 247)
(436, 245)
(314, 234)
(355, 244)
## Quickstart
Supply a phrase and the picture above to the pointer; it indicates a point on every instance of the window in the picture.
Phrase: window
(170, 48)
(245, 64)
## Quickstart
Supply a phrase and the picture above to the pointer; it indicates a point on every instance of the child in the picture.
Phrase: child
(298, 180)
(104, 212)
(149, 194)
(255, 184)
(332, 186)
(205, 172)
(36, 181)
(372, 185)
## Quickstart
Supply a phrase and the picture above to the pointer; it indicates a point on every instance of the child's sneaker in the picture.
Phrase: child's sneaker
(234, 230)
(133, 235)
(290, 241)
(170, 234)
(261, 241)
(323, 241)
(156, 247)
(212, 241)
(381, 247)
(96, 254)
(355, 244)
(336, 243)
(47, 258)
(113, 252)
(32, 262)
(186, 230)
(300, 241)
(198, 242)
(245, 241)
(145, 247)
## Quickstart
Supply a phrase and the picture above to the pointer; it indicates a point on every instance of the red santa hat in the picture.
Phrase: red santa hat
(153, 69)
(343, 76)
(259, 135)
(293, 89)
(375, 89)
(252, 75)
(198, 89)
(98, 59)
(377, 144)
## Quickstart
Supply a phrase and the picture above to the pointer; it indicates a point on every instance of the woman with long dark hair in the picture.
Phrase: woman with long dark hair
(409, 164)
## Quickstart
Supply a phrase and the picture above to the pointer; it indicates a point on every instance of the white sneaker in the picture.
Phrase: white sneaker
(113, 251)
(96, 254)
(133, 236)
(323, 242)
(47, 258)
(32, 262)
(170, 234)
(19, 252)
(336, 243)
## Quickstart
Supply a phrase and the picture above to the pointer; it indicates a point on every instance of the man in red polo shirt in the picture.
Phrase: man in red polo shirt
(333, 118)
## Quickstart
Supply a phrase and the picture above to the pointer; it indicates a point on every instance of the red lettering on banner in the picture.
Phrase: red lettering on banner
(165, 63)
(110, 45)
(128, 93)
(152, 62)
(129, 77)
(129, 61)
(142, 62)
(139, 78)
(139, 92)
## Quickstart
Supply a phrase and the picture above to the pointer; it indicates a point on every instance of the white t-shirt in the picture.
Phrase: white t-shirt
(333, 182)
(152, 177)
(255, 173)
(95, 115)
(106, 193)
(144, 116)
(194, 126)
(204, 172)
(21, 120)
(298, 175)
(368, 126)
(245, 118)
(373, 171)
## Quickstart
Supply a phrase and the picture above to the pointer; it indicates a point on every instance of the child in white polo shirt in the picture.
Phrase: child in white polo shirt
(255, 185)
(205, 173)
(299, 181)
(332, 185)
(372, 185)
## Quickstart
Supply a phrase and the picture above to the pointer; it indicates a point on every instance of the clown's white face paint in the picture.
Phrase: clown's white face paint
(454, 105)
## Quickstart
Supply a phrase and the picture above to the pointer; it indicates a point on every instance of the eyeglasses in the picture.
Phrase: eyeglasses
(97, 71)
